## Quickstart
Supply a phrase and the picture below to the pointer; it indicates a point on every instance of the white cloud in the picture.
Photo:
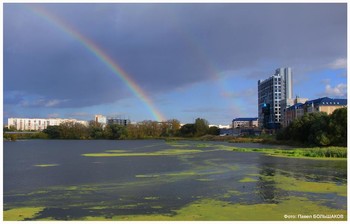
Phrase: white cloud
(340, 90)
(338, 63)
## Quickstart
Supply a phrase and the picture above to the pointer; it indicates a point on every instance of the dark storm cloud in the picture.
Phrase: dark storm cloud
(161, 46)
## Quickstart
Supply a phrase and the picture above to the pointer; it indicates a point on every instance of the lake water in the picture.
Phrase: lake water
(159, 180)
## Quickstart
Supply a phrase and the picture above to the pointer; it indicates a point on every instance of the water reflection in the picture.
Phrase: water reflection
(266, 187)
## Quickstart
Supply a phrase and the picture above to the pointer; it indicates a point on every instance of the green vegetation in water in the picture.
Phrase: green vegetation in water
(327, 152)
(169, 152)
(20, 214)
(147, 176)
(205, 179)
(203, 145)
(184, 173)
(247, 179)
(151, 198)
(294, 184)
(231, 193)
(216, 210)
(46, 165)
(200, 173)
(177, 144)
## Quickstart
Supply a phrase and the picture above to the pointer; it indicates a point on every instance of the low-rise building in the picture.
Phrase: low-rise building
(324, 104)
(245, 122)
(294, 111)
(38, 124)
(304, 106)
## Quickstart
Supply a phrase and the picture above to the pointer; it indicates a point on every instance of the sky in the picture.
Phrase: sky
(146, 61)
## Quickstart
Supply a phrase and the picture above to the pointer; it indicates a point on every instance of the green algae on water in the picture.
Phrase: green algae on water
(20, 214)
(204, 179)
(147, 176)
(176, 144)
(216, 210)
(294, 184)
(169, 152)
(247, 179)
(151, 198)
(46, 165)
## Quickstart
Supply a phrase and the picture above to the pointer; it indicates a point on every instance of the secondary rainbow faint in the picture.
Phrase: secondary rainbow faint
(100, 54)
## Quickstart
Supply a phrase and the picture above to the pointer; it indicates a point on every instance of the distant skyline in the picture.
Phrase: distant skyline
(166, 61)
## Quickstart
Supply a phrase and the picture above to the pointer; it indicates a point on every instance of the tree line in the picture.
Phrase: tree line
(141, 130)
(318, 129)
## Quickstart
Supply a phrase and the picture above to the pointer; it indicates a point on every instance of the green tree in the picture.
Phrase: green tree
(73, 130)
(201, 126)
(169, 128)
(214, 130)
(321, 138)
(338, 126)
(187, 130)
(318, 132)
(96, 130)
(11, 128)
(174, 127)
(318, 129)
(115, 131)
(53, 132)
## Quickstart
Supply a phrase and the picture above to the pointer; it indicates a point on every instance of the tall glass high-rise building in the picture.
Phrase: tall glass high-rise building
(274, 95)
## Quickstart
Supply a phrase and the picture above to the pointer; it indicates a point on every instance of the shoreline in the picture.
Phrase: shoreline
(296, 151)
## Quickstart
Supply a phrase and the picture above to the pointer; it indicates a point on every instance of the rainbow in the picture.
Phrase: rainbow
(101, 55)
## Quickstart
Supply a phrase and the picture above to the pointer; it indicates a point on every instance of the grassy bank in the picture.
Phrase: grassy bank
(317, 152)
(232, 139)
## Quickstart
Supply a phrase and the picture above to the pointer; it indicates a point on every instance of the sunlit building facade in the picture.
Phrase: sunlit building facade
(324, 104)
(101, 119)
(38, 124)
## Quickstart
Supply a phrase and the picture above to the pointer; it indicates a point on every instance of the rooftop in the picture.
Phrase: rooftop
(295, 106)
(245, 119)
(327, 101)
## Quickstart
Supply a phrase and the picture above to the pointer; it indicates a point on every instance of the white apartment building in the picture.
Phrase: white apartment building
(38, 124)
(101, 119)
